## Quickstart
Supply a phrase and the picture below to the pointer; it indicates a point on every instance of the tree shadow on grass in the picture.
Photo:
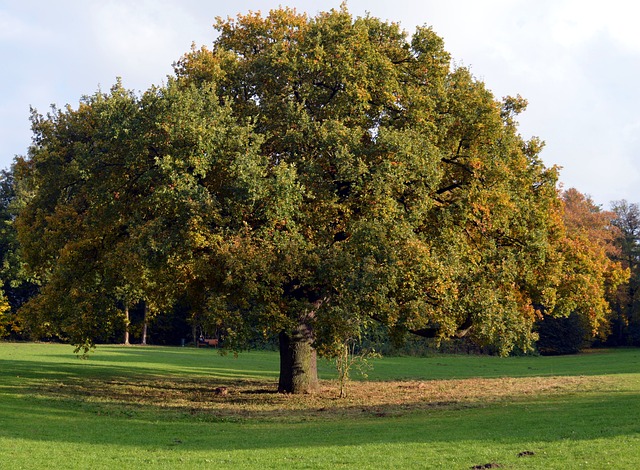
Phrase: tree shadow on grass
(265, 363)
(141, 407)
(16, 372)
(53, 405)
(586, 417)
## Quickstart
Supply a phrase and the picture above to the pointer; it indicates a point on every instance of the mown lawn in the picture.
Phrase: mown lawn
(158, 408)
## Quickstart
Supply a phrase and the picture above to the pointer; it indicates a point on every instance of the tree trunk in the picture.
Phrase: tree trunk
(126, 325)
(298, 366)
(145, 325)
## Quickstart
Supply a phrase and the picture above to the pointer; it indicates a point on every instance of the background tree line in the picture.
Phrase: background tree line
(307, 181)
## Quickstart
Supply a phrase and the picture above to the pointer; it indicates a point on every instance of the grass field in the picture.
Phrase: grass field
(158, 408)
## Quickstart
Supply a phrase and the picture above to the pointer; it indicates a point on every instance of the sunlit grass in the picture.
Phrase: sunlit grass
(157, 408)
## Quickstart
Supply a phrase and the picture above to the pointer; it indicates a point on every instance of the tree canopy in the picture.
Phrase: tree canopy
(590, 278)
(305, 177)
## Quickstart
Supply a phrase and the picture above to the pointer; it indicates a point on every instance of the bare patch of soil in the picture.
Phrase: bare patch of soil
(252, 399)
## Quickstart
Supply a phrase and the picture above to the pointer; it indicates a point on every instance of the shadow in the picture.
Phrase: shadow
(106, 367)
(153, 360)
(133, 400)
(597, 416)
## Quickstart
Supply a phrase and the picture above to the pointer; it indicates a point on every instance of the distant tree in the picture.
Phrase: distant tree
(582, 216)
(114, 210)
(6, 323)
(590, 280)
(593, 273)
(626, 324)
(16, 286)
(562, 335)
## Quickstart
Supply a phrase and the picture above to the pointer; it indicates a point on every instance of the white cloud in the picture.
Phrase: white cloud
(576, 22)
(142, 38)
(631, 132)
(11, 27)
(15, 31)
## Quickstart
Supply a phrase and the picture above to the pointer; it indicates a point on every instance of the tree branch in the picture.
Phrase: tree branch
(433, 332)
(451, 187)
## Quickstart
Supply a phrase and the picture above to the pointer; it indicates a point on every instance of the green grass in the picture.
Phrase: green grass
(602, 362)
(155, 408)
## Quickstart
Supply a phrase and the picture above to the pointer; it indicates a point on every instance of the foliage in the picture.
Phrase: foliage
(351, 357)
(590, 280)
(410, 199)
(306, 178)
(16, 286)
(5, 323)
(626, 323)
(110, 219)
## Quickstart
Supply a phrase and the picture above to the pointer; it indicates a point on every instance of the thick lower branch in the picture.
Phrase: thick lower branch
(434, 332)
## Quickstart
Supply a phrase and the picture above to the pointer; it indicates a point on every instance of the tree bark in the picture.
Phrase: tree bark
(145, 325)
(126, 325)
(298, 363)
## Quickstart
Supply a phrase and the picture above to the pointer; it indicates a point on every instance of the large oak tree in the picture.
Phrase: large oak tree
(305, 177)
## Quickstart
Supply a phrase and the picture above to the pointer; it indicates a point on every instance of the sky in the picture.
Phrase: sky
(577, 62)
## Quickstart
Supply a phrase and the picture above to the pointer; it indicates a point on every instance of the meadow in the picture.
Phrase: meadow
(161, 407)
